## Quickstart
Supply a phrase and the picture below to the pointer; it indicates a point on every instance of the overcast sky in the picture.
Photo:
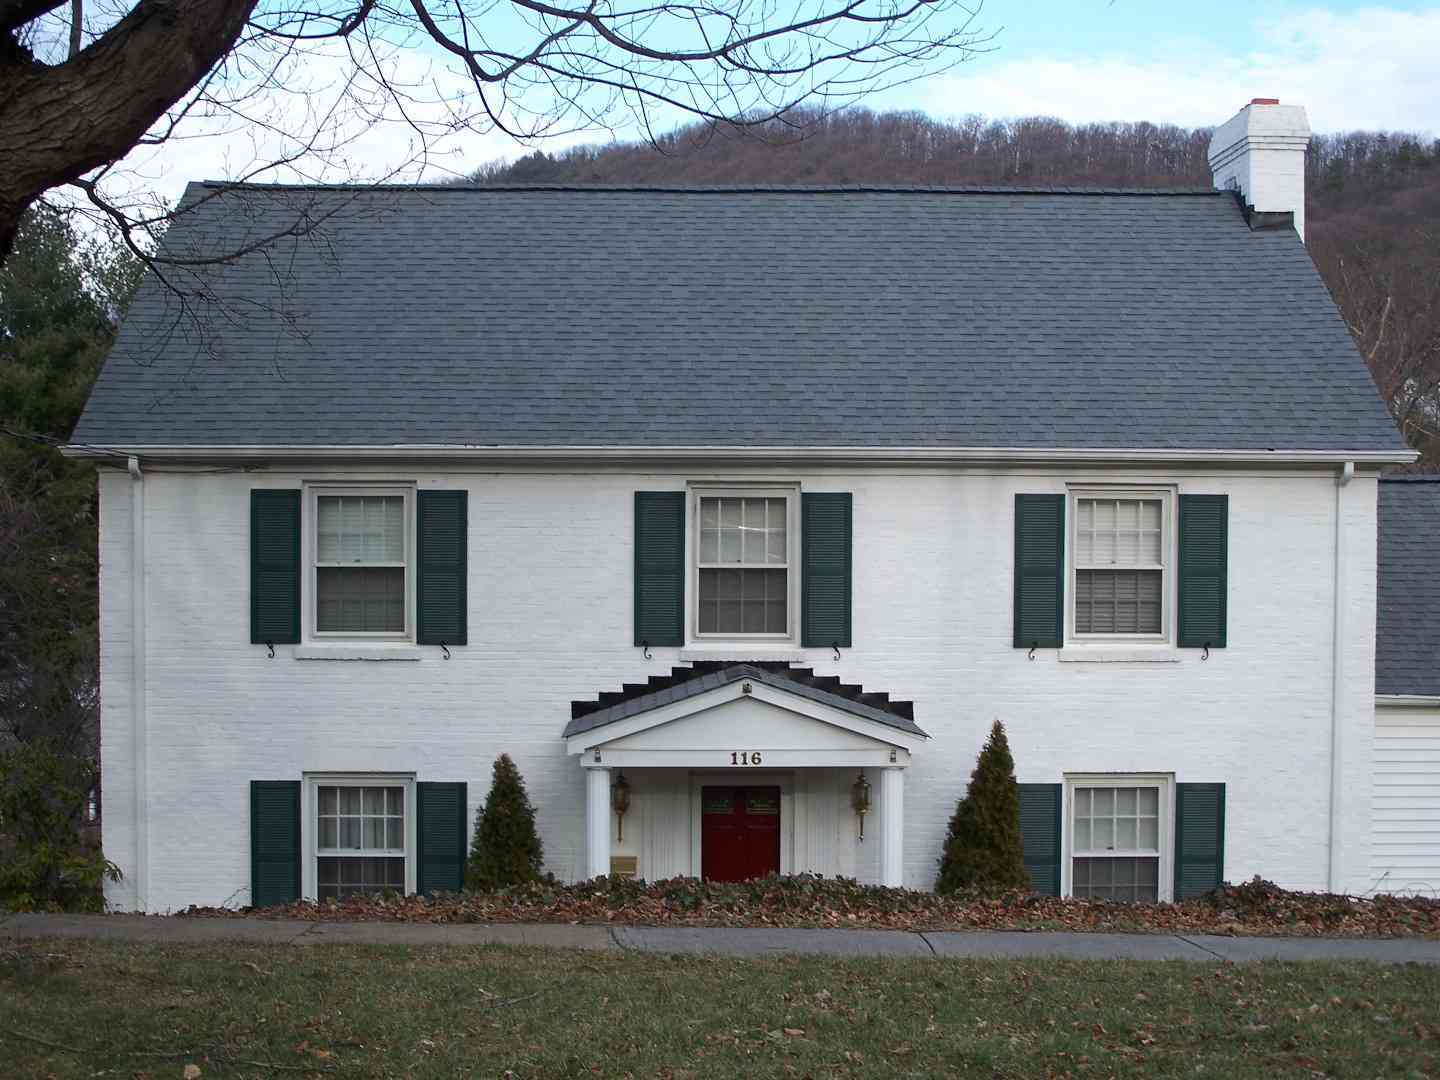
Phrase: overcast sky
(1192, 63)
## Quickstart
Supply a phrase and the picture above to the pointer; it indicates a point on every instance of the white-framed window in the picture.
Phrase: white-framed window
(361, 546)
(1121, 564)
(745, 563)
(359, 834)
(1119, 831)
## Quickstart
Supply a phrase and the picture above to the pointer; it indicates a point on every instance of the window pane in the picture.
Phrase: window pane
(775, 551)
(356, 600)
(1117, 601)
(1103, 801)
(341, 877)
(395, 834)
(374, 800)
(327, 529)
(329, 800)
(709, 530)
(1102, 834)
(731, 549)
(329, 832)
(1118, 879)
(1125, 800)
(394, 800)
(1148, 838)
(350, 800)
(349, 833)
(742, 602)
(374, 833)
(1082, 834)
(1082, 802)
(738, 530)
(1125, 834)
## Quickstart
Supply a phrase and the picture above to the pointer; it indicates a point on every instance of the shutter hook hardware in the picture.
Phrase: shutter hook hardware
(1031, 654)
(445, 649)
(645, 647)
(836, 646)
(271, 646)
(1205, 652)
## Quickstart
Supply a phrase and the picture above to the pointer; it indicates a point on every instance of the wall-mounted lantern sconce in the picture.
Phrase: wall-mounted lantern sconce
(620, 801)
(860, 800)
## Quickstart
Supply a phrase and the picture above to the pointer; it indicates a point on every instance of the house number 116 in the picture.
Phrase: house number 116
(745, 757)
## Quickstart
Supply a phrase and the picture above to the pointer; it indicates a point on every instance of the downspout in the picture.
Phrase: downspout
(1337, 683)
(139, 721)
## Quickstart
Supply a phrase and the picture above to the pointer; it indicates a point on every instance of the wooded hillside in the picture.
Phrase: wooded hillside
(1373, 203)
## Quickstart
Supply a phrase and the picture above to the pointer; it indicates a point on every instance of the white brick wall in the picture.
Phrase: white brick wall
(550, 614)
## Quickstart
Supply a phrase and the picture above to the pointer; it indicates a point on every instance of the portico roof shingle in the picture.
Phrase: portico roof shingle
(689, 682)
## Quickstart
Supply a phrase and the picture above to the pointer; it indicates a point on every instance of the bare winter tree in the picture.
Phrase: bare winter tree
(82, 86)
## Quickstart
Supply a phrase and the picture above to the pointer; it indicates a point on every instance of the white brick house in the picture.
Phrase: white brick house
(741, 495)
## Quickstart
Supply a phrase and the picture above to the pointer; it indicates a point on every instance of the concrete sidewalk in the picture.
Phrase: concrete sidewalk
(723, 941)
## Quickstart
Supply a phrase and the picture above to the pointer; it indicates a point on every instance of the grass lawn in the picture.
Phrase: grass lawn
(86, 1008)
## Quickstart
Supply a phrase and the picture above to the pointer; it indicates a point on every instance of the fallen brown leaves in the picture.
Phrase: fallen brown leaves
(1255, 908)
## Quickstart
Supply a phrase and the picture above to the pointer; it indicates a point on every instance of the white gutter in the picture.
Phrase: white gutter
(138, 716)
(860, 455)
(1337, 681)
(1407, 701)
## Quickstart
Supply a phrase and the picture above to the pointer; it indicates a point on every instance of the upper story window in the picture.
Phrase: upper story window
(744, 564)
(1121, 565)
(362, 554)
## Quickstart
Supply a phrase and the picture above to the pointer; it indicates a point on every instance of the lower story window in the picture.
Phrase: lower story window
(1115, 838)
(360, 844)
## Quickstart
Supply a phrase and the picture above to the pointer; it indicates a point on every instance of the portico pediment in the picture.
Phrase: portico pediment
(743, 715)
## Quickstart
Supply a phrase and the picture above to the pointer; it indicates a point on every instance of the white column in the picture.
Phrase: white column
(892, 826)
(597, 822)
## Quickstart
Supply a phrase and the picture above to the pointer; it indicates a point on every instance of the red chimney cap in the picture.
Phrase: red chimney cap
(1264, 101)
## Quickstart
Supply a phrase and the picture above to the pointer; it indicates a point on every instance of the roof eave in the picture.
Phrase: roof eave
(819, 455)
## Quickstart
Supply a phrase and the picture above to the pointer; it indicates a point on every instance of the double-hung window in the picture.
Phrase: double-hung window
(362, 828)
(744, 564)
(362, 562)
(1121, 565)
(1117, 838)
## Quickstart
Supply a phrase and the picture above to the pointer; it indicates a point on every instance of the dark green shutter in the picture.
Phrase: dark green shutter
(659, 567)
(1040, 834)
(274, 566)
(1204, 539)
(1199, 838)
(1039, 571)
(440, 568)
(826, 527)
(274, 842)
(440, 827)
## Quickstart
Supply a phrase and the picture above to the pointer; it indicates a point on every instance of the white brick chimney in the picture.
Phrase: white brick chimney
(1260, 151)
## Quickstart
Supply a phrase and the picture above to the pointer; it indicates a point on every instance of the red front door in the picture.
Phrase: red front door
(739, 832)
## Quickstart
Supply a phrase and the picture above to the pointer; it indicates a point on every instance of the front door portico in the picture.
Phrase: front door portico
(731, 737)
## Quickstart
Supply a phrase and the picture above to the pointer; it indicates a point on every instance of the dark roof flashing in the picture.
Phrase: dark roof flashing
(1263, 220)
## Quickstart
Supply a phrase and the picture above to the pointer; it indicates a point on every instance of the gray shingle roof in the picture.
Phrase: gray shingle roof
(1407, 640)
(740, 317)
(684, 683)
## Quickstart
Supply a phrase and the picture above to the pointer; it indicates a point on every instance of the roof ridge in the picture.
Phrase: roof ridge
(728, 189)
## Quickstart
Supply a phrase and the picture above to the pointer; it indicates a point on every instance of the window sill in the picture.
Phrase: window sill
(340, 651)
(1118, 654)
(742, 652)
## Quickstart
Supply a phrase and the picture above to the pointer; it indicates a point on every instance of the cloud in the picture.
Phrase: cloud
(1375, 68)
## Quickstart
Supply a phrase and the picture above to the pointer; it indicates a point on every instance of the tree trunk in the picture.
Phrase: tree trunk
(59, 122)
